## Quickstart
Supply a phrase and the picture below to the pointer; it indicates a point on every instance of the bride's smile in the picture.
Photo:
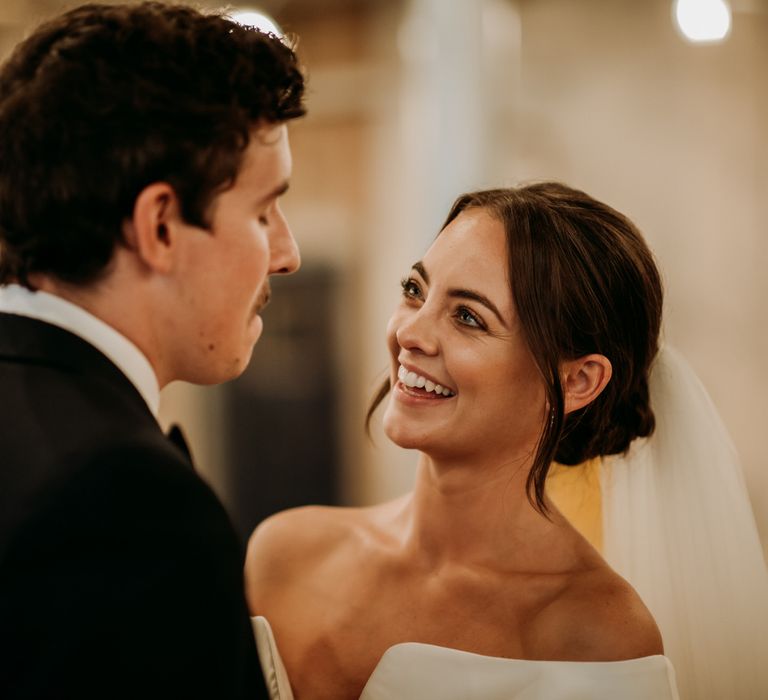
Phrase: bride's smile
(416, 384)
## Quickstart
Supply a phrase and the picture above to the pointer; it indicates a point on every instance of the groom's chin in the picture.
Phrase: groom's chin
(238, 365)
(255, 329)
(220, 369)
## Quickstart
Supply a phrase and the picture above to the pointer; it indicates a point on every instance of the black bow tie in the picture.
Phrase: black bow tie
(177, 438)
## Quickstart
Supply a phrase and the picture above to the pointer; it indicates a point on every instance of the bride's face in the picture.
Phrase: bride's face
(456, 329)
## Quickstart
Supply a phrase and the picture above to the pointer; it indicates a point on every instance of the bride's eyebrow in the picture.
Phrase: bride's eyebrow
(419, 267)
(464, 294)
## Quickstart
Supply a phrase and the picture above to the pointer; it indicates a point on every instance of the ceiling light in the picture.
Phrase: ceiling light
(257, 19)
(703, 20)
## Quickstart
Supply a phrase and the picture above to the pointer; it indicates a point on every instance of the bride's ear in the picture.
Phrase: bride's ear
(583, 380)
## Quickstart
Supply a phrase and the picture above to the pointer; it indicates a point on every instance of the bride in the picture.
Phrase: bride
(525, 335)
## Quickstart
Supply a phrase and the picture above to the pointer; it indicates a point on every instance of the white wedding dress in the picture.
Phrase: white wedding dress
(414, 671)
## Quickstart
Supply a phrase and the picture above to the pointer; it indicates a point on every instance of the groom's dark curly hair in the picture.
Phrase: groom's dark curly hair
(102, 101)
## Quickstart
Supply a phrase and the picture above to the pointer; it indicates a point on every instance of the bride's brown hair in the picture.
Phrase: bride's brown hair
(583, 281)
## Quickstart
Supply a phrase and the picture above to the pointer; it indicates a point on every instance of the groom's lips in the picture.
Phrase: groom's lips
(263, 300)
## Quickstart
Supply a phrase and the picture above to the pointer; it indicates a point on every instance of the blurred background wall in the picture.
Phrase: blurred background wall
(412, 102)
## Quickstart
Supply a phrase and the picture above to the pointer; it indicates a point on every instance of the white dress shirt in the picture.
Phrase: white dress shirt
(15, 299)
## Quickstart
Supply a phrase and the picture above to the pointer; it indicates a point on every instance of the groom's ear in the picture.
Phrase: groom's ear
(584, 379)
(153, 231)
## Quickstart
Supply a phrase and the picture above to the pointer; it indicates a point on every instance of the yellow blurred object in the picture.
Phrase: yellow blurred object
(576, 493)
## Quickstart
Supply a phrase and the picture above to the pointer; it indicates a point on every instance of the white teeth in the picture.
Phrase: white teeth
(411, 379)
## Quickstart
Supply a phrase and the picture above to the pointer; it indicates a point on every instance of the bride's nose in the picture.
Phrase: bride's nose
(417, 333)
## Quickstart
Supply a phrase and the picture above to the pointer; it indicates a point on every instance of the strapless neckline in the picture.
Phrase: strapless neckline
(442, 650)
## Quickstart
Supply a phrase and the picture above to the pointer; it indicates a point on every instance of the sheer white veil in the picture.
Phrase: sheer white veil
(678, 525)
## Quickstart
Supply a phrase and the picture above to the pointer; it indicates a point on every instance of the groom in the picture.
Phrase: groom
(143, 151)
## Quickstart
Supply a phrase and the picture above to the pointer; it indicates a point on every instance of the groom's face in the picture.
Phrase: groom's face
(227, 267)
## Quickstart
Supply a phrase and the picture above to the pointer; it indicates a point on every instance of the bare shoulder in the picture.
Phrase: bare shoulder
(296, 534)
(600, 617)
(299, 542)
(312, 530)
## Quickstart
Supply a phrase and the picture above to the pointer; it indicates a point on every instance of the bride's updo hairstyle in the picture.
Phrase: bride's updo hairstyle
(583, 281)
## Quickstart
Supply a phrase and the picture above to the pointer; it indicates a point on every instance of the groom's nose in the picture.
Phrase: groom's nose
(284, 251)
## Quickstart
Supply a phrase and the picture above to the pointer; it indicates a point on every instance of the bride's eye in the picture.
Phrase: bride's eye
(411, 289)
(467, 318)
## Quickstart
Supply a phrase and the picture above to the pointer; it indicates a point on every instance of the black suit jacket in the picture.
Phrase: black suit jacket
(120, 573)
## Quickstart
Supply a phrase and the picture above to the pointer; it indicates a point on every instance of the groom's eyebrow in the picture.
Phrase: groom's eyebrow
(464, 294)
(279, 191)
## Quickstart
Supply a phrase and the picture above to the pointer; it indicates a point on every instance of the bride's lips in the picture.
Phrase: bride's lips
(418, 396)
(421, 373)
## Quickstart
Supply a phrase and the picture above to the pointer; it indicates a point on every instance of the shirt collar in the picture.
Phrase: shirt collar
(15, 299)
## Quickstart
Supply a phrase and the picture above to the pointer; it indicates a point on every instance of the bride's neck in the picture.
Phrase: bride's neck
(474, 514)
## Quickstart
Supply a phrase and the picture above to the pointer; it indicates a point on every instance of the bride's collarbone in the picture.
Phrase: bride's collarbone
(490, 615)
(453, 585)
